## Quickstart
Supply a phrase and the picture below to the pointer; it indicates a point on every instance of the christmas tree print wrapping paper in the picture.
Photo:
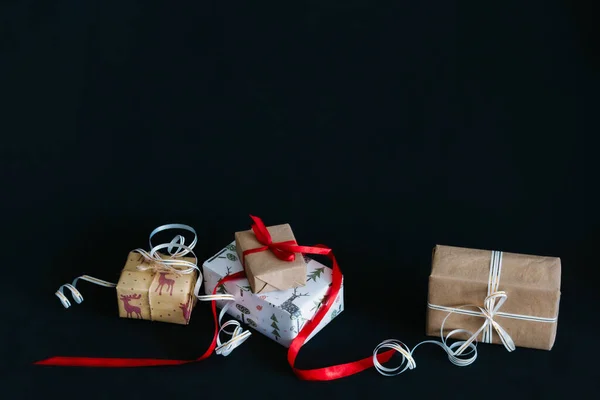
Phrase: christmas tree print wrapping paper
(279, 315)
(161, 296)
(266, 272)
(459, 276)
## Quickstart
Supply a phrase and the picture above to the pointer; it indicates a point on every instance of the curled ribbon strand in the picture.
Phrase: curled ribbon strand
(456, 357)
(76, 293)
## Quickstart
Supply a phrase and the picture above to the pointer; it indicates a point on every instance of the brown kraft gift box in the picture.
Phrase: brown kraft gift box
(459, 276)
(266, 272)
(156, 296)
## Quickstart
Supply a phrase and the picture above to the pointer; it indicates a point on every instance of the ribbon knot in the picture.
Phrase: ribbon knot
(176, 248)
(282, 250)
(492, 305)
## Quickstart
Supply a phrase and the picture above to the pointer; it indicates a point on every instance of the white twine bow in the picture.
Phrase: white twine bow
(493, 302)
(175, 265)
(461, 357)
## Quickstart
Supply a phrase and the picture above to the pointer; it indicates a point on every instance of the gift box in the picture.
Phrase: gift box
(148, 293)
(279, 315)
(265, 271)
(519, 293)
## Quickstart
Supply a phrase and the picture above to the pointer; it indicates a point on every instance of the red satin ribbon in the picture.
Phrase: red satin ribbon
(319, 374)
(142, 362)
(279, 249)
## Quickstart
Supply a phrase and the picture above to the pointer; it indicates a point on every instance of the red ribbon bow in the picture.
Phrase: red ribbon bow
(281, 249)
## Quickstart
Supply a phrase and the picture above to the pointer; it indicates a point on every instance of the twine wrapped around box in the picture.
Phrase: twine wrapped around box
(534, 281)
(159, 287)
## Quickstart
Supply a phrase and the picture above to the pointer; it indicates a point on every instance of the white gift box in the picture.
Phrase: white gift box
(279, 315)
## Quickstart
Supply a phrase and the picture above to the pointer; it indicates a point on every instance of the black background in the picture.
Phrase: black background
(378, 129)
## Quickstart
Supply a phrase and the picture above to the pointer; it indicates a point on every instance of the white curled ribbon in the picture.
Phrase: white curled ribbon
(457, 357)
(461, 353)
(408, 362)
(238, 335)
(75, 293)
(153, 261)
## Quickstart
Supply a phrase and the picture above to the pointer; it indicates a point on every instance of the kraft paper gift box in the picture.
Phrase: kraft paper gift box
(460, 276)
(156, 296)
(279, 315)
(266, 272)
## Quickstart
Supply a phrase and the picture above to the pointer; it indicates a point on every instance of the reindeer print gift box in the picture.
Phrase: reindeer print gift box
(156, 296)
(278, 314)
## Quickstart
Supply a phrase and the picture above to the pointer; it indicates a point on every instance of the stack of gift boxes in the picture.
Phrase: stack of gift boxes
(277, 296)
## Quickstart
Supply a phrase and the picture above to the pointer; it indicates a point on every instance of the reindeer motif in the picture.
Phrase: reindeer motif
(293, 309)
(131, 309)
(187, 309)
(162, 281)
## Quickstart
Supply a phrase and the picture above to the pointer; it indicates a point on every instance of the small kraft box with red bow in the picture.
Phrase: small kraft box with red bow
(269, 262)
(279, 315)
